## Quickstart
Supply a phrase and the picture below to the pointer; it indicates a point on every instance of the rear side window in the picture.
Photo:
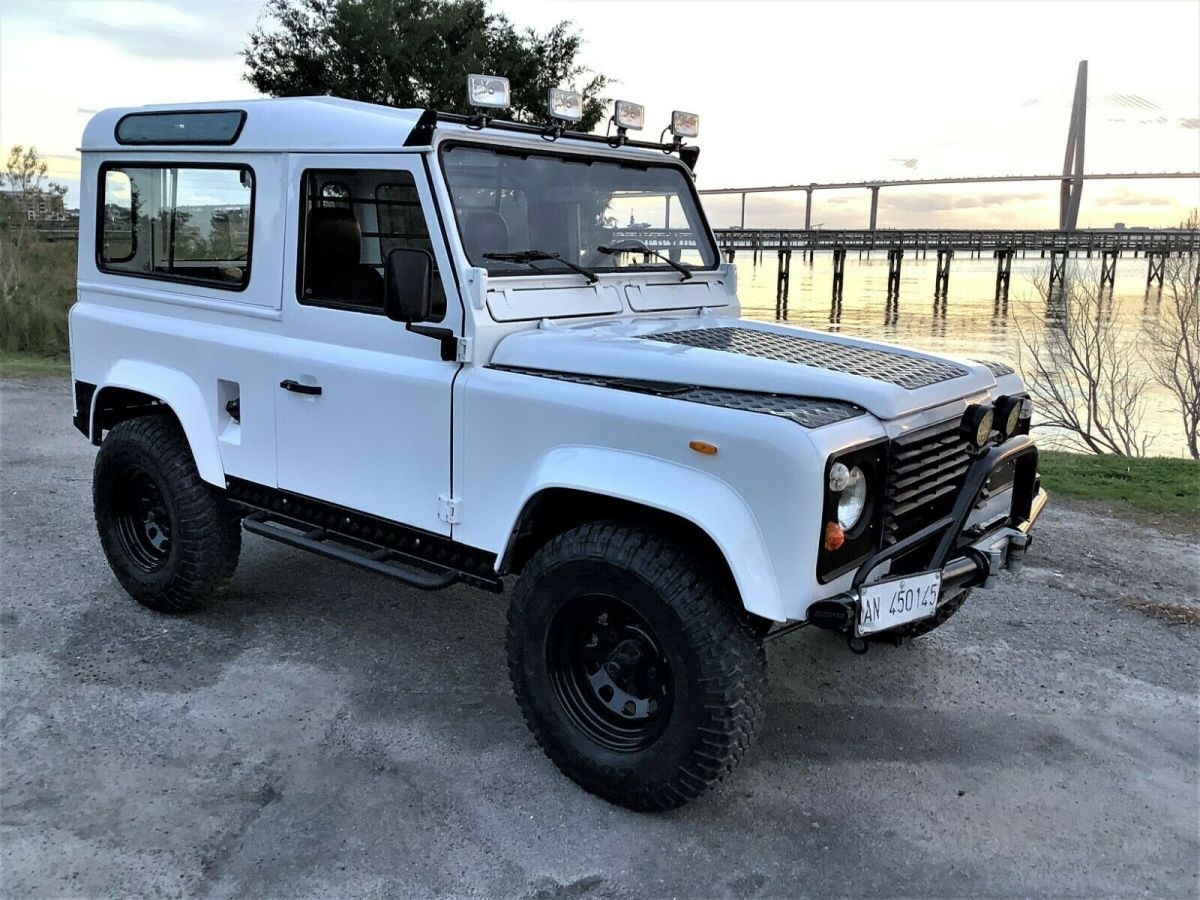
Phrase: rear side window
(199, 127)
(177, 223)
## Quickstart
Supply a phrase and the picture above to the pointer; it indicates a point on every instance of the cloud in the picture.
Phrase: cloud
(942, 202)
(1125, 197)
(168, 29)
(86, 112)
(1189, 123)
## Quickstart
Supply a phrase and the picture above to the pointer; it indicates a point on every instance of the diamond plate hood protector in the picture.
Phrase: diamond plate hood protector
(734, 353)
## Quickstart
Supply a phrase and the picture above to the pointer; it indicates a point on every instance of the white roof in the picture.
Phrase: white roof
(282, 124)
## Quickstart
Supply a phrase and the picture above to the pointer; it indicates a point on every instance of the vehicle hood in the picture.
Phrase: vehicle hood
(718, 352)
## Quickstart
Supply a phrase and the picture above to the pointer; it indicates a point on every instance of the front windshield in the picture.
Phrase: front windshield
(513, 201)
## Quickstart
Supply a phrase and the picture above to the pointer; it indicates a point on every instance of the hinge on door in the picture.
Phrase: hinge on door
(463, 352)
(448, 509)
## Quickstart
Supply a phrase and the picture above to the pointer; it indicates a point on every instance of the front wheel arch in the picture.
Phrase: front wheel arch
(555, 511)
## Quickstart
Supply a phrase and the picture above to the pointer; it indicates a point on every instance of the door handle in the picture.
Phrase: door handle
(297, 388)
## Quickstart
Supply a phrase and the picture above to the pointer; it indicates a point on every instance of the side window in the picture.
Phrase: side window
(350, 221)
(118, 242)
(177, 223)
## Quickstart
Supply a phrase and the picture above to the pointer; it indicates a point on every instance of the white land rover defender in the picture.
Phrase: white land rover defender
(456, 349)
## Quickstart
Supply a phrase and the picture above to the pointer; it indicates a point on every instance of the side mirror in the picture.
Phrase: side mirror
(407, 285)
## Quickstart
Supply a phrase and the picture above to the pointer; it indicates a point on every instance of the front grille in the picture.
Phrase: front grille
(926, 469)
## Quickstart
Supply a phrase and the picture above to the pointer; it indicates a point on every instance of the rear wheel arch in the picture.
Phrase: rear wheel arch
(113, 405)
(122, 397)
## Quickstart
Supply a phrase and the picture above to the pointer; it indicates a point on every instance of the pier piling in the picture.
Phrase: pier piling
(1004, 258)
(839, 270)
(1157, 268)
(1108, 267)
(941, 282)
(783, 281)
(895, 259)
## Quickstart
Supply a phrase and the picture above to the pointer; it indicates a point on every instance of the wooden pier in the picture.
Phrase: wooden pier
(1002, 245)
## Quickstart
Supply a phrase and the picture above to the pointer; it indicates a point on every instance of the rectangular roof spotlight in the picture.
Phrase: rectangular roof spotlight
(487, 91)
(629, 115)
(564, 105)
(685, 124)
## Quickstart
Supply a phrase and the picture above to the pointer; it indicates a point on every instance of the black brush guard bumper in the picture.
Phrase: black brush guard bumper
(965, 560)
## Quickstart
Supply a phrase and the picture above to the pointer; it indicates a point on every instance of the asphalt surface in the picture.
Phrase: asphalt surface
(326, 732)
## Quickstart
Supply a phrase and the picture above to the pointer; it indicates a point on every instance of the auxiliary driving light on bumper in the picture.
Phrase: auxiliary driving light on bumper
(977, 424)
(1009, 415)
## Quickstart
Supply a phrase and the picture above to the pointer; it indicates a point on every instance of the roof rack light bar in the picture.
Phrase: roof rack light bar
(422, 134)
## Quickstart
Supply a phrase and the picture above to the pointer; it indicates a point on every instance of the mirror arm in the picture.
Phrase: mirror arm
(448, 338)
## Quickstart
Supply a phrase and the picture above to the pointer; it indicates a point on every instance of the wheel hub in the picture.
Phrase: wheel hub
(610, 673)
(142, 519)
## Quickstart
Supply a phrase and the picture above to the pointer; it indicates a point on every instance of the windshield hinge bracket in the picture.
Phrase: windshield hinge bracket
(448, 509)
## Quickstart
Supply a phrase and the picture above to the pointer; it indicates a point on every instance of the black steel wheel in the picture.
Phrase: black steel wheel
(143, 523)
(170, 538)
(609, 672)
(633, 665)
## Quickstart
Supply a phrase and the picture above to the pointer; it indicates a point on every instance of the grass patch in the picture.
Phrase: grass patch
(33, 365)
(1155, 484)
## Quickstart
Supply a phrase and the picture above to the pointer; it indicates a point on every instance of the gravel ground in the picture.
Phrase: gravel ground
(326, 732)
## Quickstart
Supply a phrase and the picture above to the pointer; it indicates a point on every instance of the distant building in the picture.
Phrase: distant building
(36, 205)
(1118, 226)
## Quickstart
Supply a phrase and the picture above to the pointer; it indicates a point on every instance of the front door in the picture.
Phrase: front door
(362, 406)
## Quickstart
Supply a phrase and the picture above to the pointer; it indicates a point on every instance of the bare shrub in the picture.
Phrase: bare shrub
(1172, 351)
(1077, 371)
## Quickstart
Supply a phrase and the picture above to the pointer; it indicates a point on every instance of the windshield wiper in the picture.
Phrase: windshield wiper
(529, 257)
(633, 245)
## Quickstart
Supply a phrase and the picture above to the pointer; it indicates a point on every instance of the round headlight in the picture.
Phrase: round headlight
(853, 499)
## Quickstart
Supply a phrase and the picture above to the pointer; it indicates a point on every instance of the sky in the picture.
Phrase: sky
(787, 92)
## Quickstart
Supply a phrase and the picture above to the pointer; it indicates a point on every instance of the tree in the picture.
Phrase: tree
(1173, 342)
(23, 179)
(1078, 372)
(414, 53)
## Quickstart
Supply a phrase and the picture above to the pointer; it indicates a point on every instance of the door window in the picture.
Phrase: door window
(351, 220)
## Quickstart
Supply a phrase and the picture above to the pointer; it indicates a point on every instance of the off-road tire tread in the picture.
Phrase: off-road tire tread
(732, 658)
(206, 531)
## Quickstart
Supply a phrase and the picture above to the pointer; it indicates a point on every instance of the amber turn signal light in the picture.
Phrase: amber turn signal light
(703, 447)
(834, 536)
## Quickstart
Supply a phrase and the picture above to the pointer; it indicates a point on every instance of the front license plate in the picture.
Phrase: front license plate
(887, 604)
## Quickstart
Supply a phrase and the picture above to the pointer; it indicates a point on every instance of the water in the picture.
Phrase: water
(970, 322)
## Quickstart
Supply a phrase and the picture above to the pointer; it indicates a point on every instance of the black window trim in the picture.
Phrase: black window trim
(217, 142)
(634, 163)
(109, 165)
(133, 232)
(302, 233)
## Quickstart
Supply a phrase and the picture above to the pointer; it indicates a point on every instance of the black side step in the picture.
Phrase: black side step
(348, 549)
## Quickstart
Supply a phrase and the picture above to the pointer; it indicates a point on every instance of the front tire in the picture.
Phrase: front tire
(170, 538)
(632, 666)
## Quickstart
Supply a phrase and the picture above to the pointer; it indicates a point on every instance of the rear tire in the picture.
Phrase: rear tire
(171, 539)
(633, 667)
